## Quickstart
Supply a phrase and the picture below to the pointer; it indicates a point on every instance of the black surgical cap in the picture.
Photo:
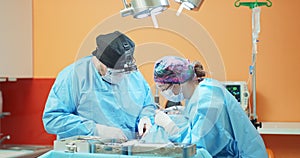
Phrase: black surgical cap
(114, 49)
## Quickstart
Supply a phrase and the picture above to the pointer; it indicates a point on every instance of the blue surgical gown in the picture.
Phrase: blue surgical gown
(217, 123)
(80, 99)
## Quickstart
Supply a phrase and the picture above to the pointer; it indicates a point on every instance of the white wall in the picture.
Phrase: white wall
(16, 38)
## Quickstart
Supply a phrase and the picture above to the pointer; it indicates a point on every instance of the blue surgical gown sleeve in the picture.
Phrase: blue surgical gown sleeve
(149, 106)
(218, 124)
(202, 153)
(60, 113)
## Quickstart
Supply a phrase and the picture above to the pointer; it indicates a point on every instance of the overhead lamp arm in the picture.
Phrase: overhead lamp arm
(125, 4)
(188, 5)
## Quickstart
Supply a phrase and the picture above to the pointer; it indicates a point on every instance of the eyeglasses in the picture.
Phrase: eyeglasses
(129, 66)
(115, 71)
(164, 87)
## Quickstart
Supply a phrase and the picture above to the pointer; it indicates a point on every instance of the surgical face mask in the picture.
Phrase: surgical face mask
(113, 76)
(168, 94)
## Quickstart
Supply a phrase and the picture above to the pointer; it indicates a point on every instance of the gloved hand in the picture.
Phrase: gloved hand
(163, 120)
(109, 132)
(144, 125)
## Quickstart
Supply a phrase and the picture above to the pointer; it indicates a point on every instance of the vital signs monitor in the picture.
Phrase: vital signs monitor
(239, 90)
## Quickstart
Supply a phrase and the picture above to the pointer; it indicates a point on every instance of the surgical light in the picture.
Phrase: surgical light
(144, 8)
(188, 4)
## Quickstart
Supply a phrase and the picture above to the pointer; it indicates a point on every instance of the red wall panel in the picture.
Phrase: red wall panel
(25, 100)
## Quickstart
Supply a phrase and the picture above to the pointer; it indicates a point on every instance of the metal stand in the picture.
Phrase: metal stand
(252, 6)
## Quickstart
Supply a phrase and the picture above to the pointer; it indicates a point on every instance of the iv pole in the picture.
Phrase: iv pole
(255, 30)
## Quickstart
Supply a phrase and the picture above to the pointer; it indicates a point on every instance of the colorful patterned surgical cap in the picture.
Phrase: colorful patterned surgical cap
(172, 69)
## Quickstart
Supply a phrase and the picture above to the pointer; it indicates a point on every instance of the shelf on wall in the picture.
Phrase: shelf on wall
(287, 128)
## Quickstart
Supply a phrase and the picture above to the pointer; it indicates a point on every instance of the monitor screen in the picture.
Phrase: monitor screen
(235, 90)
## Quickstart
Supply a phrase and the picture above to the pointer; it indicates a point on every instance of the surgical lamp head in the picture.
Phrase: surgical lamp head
(189, 5)
(144, 8)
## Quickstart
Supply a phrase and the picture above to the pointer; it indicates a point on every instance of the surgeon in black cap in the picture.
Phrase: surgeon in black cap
(102, 95)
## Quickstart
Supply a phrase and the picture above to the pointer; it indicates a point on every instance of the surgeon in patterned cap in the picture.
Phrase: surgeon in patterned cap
(216, 121)
(171, 72)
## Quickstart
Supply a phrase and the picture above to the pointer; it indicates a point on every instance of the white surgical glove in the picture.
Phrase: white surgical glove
(107, 132)
(163, 120)
(144, 123)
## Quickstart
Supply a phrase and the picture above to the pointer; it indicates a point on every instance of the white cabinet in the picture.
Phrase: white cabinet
(16, 52)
